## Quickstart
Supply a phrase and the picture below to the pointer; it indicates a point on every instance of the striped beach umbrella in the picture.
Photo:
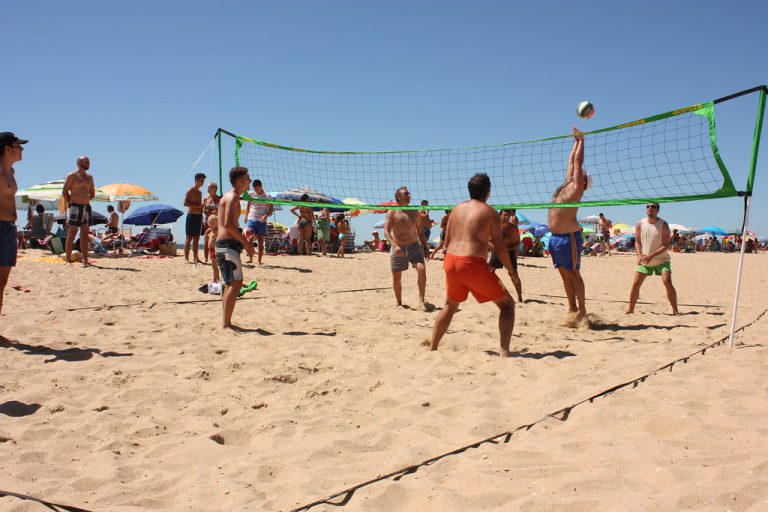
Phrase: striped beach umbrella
(127, 192)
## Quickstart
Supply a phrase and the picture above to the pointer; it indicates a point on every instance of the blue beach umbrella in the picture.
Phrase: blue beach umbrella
(713, 230)
(537, 229)
(153, 214)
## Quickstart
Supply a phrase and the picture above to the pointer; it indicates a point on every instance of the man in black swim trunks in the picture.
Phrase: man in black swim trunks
(10, 153)
(78, 192)
(230, 242)
(193, 200)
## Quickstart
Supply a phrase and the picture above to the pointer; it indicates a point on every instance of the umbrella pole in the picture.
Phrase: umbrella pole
(738, 274)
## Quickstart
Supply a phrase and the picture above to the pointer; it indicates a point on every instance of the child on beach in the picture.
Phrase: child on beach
(342, 226)
(210, 238)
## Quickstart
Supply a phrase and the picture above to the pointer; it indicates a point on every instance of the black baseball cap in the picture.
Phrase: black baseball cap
(9, 139)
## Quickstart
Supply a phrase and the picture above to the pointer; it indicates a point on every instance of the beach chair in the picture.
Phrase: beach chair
(40, 229)
(151, 239)
(275, 241)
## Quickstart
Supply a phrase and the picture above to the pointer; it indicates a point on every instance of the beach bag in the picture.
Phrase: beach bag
(57, 245)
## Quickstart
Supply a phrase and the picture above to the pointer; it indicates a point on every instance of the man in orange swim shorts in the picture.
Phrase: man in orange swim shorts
(471, 225)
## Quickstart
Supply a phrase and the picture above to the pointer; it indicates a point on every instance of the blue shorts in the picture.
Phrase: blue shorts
(9, 242)
(257, 227)
(566, 250)
(427, 232)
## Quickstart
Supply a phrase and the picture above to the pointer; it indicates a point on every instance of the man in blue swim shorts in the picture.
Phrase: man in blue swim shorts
(10, 153)
(566, 241)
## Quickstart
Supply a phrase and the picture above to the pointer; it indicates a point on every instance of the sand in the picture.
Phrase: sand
(146, 405)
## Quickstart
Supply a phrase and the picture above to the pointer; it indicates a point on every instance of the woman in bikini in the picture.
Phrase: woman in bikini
(306, 220)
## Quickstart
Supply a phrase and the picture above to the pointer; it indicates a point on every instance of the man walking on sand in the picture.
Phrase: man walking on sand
(10, 152)
(78, 192)
(472, 224)
(403, 230)
(230, 243)
(652, 239)
(566, 241)
(193, 200)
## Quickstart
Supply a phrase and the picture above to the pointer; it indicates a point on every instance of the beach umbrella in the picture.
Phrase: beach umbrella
(355, 201)
(713, 230)
(590, 219)
(537, 229)
(588, 229)
(679, 227)
(23, 202)
(52, 191)
(621, 227)
(127, 192)
(294, 194)
(522, 219)
(387, 203)
(379, 225)
(153, 214)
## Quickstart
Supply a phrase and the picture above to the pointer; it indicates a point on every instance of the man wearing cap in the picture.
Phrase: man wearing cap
(78, 192)
(10, 153)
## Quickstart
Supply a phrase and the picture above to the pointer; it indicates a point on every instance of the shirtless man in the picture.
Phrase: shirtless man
(78, 192)
(230, 243)
(193, 200)
(511, 237)
(10, 153)
(472, 224)
(652, 241)
(604, 225)
(426, 221)
(566, 241)
(405, 235)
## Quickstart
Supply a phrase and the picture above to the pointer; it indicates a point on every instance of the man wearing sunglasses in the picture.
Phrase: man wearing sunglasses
(10, 153)
(652, 241)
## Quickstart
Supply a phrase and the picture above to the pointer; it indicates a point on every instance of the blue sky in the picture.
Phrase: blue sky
(141, 86)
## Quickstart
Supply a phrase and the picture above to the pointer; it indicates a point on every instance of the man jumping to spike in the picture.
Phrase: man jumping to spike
(566, 241)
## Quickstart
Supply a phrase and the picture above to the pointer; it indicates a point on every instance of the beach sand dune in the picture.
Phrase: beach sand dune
(118, 391)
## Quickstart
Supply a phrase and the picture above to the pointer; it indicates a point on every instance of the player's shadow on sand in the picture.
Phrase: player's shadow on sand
(68, 354)
(524, 354)
(18, 409)
(297, 269)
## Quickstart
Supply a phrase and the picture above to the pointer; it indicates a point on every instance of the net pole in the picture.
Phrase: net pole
(218, 137)
(748, 204)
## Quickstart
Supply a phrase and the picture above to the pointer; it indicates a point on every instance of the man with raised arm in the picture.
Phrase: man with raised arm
(193, 200)
(471, 226)
(652, 241)
(10, 153)
(230, 243)
(78, 192)
(566, 242)
(405, 235)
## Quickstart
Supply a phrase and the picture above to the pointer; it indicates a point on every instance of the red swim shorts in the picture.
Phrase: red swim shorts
(464, 274)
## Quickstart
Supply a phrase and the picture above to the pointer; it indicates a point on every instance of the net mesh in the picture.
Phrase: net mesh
(669, 157)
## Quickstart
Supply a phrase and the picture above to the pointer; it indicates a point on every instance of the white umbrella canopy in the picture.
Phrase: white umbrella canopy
(679, 227)
(52, 191)
(590, 219)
